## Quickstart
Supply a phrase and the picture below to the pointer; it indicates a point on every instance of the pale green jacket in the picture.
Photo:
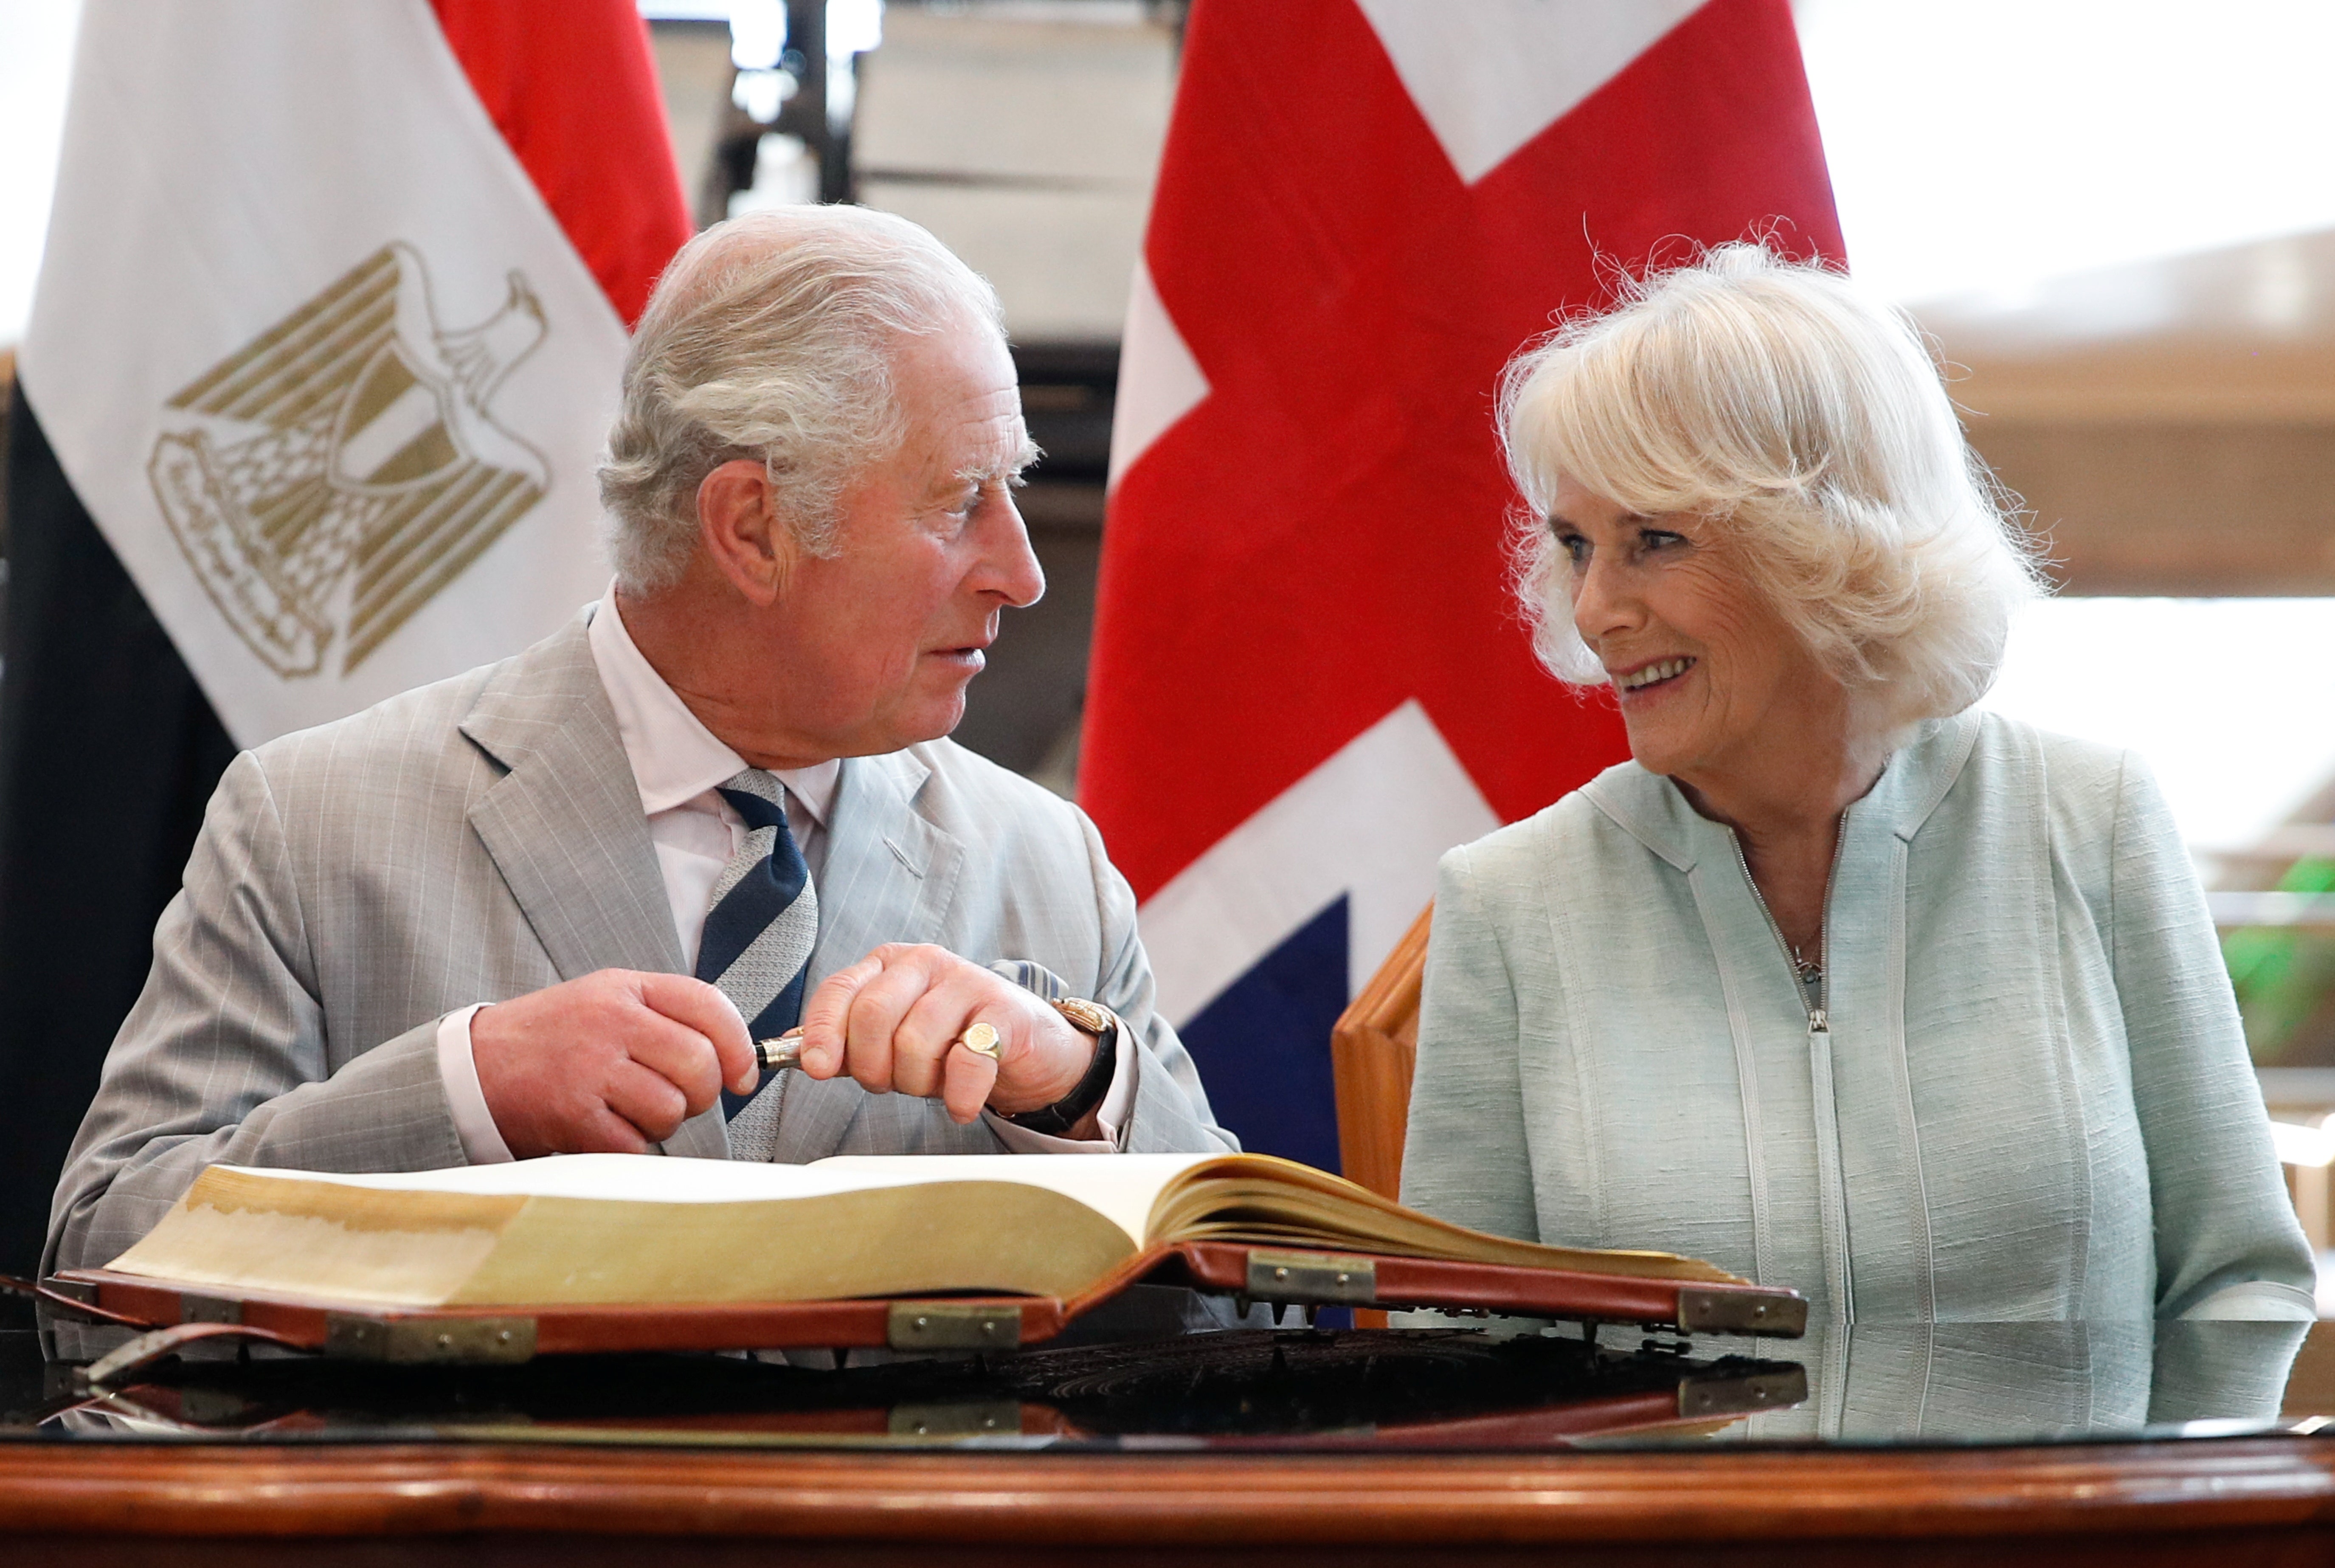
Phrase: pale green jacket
(2033, 1101)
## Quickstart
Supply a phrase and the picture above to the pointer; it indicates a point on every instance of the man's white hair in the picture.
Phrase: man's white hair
(771, 338)
(1809, 424)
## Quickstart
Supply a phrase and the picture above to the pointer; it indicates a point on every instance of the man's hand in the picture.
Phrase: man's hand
(608, 1064)
(892, 1021)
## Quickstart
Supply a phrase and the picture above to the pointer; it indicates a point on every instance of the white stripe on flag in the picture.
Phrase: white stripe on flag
(1489, 76)
(1369, 824)
(225, 163)
(366, 451)
(1160, 381)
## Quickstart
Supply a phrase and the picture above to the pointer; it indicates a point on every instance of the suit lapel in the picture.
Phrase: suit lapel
(889, 876)
(889, 873)
(565, 828)
(564, 825)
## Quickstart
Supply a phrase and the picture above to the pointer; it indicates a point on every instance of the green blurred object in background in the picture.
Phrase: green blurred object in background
(2285, 977)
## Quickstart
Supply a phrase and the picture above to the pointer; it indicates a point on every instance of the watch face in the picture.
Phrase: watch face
(1094, 1020)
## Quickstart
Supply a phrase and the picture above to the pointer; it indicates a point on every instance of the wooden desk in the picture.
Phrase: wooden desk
(2269, 1500)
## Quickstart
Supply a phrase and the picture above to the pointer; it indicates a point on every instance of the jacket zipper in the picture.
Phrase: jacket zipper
(1835, 1200)
(1820, 1014)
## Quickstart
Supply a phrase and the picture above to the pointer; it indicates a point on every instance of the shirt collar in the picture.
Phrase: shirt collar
(675, 757)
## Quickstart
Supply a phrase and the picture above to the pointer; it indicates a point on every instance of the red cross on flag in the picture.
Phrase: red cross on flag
(1307, 680)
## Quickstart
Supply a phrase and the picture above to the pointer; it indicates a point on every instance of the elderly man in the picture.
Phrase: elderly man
(548, 907)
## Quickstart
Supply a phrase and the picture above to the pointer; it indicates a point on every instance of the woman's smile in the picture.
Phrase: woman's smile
(1652, 677)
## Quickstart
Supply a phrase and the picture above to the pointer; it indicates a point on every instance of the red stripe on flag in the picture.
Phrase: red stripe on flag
(1321, 537)
(572, 86)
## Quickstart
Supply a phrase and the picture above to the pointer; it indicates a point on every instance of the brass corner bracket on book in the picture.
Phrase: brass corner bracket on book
(1703, 1312)
(429, 1341)
(1326, 1278)
(953, 1326)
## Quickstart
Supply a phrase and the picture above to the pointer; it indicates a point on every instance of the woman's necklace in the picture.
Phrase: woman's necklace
(1809, 970)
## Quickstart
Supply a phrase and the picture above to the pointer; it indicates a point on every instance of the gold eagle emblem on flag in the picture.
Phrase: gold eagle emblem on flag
(344, 466)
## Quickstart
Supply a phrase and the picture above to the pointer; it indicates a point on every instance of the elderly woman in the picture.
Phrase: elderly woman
(1839, 983)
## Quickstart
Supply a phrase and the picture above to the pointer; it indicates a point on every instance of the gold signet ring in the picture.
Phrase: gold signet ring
(981, 1039)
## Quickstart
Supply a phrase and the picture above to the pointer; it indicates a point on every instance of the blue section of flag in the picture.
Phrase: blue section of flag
(1264, 1045)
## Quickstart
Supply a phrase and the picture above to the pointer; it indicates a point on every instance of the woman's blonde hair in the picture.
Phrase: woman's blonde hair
(1809, 424)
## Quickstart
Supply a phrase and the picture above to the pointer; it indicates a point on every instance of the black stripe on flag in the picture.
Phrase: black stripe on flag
(108, 754)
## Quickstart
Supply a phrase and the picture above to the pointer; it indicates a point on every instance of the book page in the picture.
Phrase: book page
(373, 1240)
(632, 1178)
(1120, 1186)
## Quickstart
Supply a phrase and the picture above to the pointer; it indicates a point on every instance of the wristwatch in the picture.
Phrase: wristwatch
(1059, 1117)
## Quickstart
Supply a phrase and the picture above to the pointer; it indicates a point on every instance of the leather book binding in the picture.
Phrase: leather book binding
(510, 1333)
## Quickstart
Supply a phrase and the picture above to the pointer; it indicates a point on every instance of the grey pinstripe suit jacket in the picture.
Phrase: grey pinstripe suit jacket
(483, 837)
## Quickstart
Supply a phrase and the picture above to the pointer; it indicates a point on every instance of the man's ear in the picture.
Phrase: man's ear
(745, 531)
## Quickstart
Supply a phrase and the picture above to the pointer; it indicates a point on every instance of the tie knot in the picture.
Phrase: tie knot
(758, 797)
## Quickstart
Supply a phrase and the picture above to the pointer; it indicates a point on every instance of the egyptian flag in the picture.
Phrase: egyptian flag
(326, 341)
(1308, 677)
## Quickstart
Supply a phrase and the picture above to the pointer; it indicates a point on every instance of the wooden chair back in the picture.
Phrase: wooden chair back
(1371, 1052)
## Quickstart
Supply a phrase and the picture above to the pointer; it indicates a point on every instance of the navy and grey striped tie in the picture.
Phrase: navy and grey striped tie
(758, 939)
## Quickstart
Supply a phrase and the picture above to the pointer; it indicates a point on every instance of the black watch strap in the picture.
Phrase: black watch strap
(1058, 1118)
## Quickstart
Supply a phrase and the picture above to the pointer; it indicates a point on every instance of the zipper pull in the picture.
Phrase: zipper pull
(1819, 1022)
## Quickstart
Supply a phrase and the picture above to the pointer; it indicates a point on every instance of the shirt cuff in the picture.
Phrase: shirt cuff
(1113, 1114)
(482, 1140)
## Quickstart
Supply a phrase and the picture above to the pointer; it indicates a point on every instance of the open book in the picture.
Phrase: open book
(619, 1229)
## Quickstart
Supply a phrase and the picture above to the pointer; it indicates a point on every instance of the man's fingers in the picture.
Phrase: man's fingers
(681, 1056)
(967, 1077)
(704, 1009)
(877, 1011)
(827, 1013)
(645, 1098)
(892, 1021)
(605, 1132)
(923, 1041)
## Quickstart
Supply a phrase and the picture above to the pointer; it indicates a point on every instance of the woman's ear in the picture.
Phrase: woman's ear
(745, 531)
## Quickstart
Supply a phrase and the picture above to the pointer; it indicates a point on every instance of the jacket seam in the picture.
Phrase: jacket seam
(1746, 1074)
(1574, 1037)
(2060, 1034)
(2116, 847)
(299, 908)
(1902, 879)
